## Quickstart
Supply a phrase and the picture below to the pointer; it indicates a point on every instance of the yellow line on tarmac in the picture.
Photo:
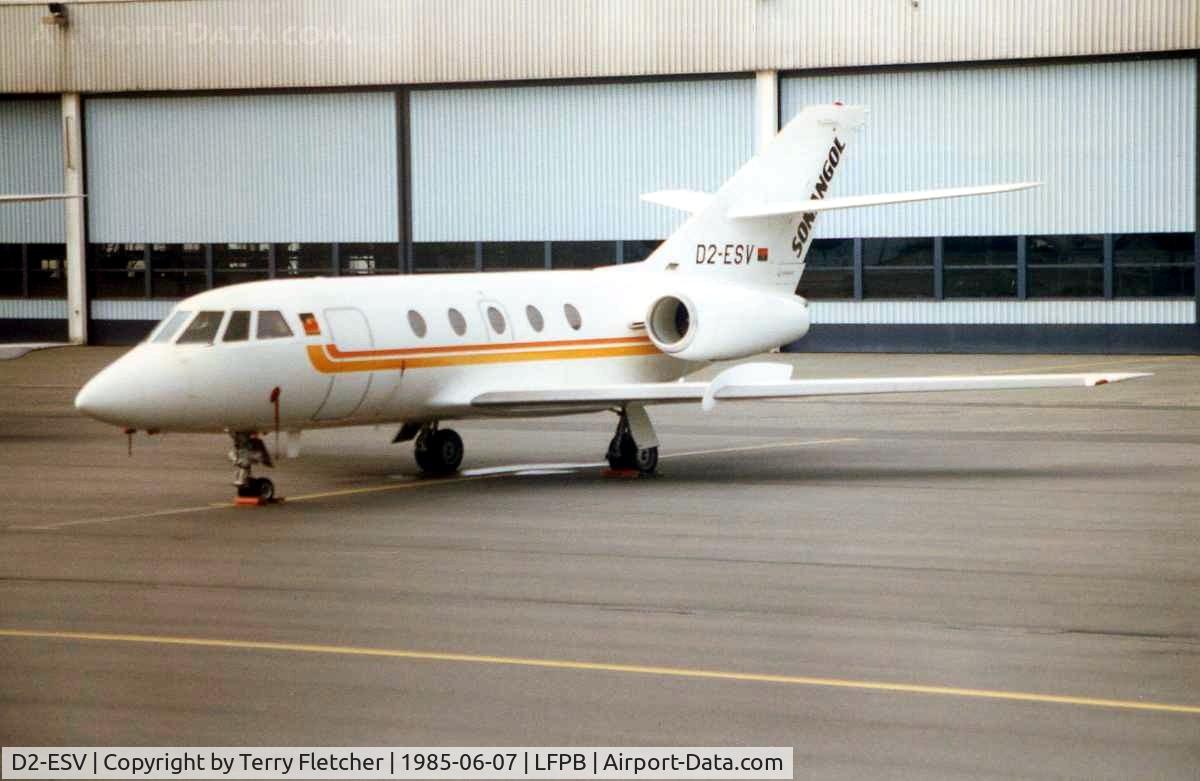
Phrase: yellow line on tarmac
(371, 489)
(111, 518)
(764, 446)
(627, 669)
(229, 505)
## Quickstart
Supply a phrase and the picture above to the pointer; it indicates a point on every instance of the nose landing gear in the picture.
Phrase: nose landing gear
(248, 450)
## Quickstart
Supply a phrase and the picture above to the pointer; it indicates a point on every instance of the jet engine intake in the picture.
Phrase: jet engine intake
(702, 322)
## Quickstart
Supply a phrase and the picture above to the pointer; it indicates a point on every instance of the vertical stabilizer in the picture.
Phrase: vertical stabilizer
(801, 163)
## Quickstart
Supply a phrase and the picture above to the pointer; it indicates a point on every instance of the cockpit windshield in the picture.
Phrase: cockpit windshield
(170, 327)
(238, 329)
(203, 329)
(240, 326)
(271, 325)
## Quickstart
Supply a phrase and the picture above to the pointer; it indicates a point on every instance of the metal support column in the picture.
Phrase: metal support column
(766, 108)
(858, 270)
(404, 179)
(147, 270)
(1022, 269)
(72, 138)
(1108, 265)
(939, 290)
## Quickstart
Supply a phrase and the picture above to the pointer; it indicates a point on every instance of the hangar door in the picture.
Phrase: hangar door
(247, 168)
(568, 162)
(33, 287)
(1113, 143)
(31, 162)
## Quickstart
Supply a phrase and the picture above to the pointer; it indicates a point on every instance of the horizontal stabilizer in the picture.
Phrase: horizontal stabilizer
(690, 201)
(565, 399)
(49, 197)
(859, 201)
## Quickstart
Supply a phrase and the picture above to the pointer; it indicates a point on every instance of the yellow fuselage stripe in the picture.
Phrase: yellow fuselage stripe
(321, 361)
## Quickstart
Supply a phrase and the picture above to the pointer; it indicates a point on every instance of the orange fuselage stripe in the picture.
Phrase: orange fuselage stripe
(322, 362)
(334, 352)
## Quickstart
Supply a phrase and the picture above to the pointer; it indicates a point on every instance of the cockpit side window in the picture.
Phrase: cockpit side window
(238, 329)
(271, 325)
(203, 329)
(170, 327)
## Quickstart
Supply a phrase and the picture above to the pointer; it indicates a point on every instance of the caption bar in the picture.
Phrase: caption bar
(397, 762)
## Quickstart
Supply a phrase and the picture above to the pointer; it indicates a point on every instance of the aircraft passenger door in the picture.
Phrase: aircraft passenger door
(348, 331)
(496, 322)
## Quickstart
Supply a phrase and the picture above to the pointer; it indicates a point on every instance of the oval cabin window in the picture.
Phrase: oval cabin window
(457, 321)
(536, 321)
(573, 318)
(417, 323)
(496, 319)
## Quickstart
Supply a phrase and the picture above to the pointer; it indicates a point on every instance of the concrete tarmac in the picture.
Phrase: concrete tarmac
(972, 585)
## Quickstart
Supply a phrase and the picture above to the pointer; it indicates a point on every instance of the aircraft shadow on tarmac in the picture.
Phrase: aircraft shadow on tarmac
(714, 472)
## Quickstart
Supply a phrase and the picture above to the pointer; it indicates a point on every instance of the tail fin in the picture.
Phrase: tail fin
(800, 163)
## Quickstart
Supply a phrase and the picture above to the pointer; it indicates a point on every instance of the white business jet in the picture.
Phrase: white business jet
(294, 354)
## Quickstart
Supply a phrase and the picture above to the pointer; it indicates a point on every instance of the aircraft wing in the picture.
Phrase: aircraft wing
(764, 381)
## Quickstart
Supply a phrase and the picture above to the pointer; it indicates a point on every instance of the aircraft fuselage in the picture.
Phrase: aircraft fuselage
(381, 349)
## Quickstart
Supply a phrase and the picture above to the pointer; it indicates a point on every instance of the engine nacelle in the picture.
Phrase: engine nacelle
(697, 322)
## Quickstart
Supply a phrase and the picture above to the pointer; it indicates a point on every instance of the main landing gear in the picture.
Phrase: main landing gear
(633, 448)
(248, 450)
(439, 451)
(634, 445)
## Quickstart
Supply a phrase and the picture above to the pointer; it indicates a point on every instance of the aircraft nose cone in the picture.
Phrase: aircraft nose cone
(101, 398)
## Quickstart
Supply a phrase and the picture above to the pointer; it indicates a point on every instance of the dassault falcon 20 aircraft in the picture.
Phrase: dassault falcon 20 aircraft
(415, 351)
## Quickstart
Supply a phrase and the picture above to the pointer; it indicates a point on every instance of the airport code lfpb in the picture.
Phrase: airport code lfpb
(428, 762)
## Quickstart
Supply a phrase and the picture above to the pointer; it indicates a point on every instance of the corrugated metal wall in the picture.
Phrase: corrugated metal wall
(215, 44)
(1114, 144)
(569, 162)
(1054, 312)
(271, 168)
(131, 309)
(31, 162)
(33, 308)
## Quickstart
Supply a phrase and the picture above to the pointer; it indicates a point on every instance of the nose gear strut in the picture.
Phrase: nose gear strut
(248, 450)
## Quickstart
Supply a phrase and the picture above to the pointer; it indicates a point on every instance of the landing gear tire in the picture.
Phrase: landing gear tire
(646, 461)
(258, 488)
(623, 452)
(439, 451)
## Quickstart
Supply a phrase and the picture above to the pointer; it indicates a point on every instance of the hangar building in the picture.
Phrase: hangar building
(220, 142)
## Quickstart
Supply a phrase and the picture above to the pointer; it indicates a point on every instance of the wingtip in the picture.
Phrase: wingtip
(1105, 379)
